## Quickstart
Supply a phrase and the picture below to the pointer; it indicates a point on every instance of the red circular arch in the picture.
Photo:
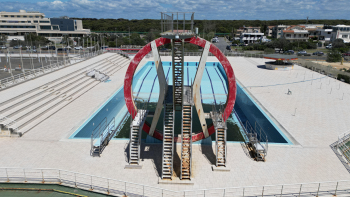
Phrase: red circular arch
(231, 98)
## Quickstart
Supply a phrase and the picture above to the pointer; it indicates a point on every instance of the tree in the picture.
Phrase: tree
(334, 56)
(3, 38)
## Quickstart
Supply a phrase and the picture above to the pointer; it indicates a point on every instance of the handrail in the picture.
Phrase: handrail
(9, 81)
(118, 187)
(242, 125)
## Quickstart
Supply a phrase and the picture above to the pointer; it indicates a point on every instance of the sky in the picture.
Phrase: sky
(204, 9)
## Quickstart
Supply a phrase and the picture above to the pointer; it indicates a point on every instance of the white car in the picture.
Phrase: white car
(3, 47)
(78, 48)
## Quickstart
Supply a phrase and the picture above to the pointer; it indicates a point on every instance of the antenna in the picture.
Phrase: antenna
(307, 19)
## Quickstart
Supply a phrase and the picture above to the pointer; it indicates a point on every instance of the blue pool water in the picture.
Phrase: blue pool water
(213, 90)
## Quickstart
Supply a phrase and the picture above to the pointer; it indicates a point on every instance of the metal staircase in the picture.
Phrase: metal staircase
(221, 147)
(135, 136)
(220, 132)
(168, 141)
(178, 67)
(186, 139)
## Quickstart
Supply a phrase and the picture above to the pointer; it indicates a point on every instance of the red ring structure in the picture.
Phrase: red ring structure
(231, 98)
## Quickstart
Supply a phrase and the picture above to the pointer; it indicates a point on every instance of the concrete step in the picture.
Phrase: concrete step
(30, 122)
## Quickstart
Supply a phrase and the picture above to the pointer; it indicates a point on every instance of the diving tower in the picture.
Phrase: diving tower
(177, 29)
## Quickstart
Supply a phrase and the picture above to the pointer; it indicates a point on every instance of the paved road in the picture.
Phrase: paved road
(221, 44)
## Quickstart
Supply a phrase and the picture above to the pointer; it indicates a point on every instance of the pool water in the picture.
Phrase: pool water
(213, 90)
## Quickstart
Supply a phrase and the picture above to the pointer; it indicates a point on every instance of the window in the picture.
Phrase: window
(24, 16)
(22, 21)
(12, 16)
(35, 21)
(328, 32)
(45, 27)
(18, 16)
(44, 21)
(344, 36)
(55, 27)
(30, 16)
(6, 16)
(29, 21)
(288, 35)
(36, 16)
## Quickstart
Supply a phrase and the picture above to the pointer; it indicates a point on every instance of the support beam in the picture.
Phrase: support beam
(163, 87)
(196, 89)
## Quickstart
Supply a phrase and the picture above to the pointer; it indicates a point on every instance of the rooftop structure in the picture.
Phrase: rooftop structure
(177, 25)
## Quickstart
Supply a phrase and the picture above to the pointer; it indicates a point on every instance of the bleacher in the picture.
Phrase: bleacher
(32, 107)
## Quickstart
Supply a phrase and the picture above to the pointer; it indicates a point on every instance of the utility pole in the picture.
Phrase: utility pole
(129, 36)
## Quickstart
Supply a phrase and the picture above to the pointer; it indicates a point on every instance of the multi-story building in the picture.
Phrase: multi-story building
(296, 33)
(248, 38)
(341, 32)
(277, 31)
(325, 34)
(22, 22)
(269, 31)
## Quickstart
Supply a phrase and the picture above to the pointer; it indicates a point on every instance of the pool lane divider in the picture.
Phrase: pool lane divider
(221, 80)
(211, 84)
(142, 82)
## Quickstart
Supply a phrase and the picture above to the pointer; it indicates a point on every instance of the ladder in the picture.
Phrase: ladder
(136, 126)
(186, 139)
(221, 148)
(168, 141)
(178, 67)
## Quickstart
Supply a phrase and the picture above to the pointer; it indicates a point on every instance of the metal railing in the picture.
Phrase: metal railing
(117, 187)
(33, 73)
(244, 133)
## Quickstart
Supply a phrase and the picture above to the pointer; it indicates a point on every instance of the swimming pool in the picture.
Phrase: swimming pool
(213, 91)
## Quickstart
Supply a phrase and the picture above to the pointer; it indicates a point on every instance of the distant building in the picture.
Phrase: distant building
(277, 31)
(20, 23)
(269, 31)
(248, 38)
(325, 34)
(341, 32)
(296, 33)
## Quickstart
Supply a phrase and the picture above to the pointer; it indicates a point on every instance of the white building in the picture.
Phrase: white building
(341, 32)
(248, 38)
(22, 22)
(296, 33)
(324, 35)
(277, 31)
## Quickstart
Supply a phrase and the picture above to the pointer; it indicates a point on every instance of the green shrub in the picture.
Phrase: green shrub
(334, 56)
(345, 77)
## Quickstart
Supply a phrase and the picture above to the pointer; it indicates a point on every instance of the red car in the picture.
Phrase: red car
(346, 54)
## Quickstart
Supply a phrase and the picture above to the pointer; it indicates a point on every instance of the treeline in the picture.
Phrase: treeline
(218, 26)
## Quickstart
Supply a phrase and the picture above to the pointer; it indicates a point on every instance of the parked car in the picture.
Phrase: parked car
(16, 47)
(319, 53)
(329, 46)
(78, 48)
(234, 45)
(3, 47)
(346, 54)
(290, 52)
(228, 47)
(302, 53)
(52, 47)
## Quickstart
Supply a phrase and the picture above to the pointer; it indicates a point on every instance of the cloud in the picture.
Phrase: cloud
(204, 9)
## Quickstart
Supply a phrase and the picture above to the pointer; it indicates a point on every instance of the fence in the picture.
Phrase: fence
(117, 187)
(30, 74)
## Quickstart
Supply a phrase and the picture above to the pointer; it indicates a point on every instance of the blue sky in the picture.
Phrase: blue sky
(204, 9)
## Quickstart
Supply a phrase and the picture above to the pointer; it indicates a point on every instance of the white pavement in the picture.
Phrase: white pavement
(321, 115)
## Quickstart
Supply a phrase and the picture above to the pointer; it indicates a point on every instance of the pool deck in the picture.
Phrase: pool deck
(320, 117)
